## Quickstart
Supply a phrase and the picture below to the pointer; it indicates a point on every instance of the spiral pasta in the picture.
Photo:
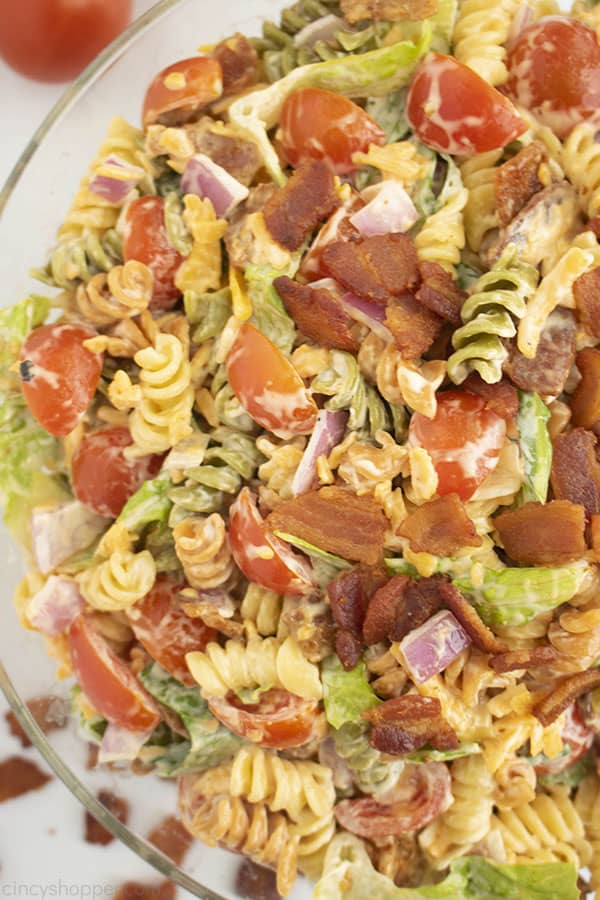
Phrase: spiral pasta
(79, 259)
(365, 466)
(487, 313)
(263, 663)
(201, 271)
(581, 161)
(122, 293)
(263, 608)
(480, 34)
(202, 547)
(587, 804)
(576, 636)
(343, 383)
(118, 582)
(515, 783)
(414, 384)
(372, 774)
(283, 458)
(480, 214)
(442, 236)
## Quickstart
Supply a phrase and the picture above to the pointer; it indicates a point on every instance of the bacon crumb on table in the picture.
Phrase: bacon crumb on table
(171, 838)
(18, 776)
(95, 833)
(50, 713)
(296, 209)
(539, 534)
(254, 882)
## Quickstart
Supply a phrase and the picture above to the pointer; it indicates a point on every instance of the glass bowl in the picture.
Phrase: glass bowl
(32, 205)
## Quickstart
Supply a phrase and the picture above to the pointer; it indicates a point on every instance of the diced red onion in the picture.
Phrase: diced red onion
(367, 313)
(328, 432)
(205, 178)
(55, 606)
(429, 649)
(115, 190)
(58, 532)
(388, 210)
(322, 29)
(120, 745)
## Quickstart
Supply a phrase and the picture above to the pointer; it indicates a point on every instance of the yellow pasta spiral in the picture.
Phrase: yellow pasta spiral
(122, 293)
(480, 34)
(203, 550)
(413, 383)
(480, 215)
(262, 608)
(442, 236)
(118, 582)
(201, 271)
(581, 161)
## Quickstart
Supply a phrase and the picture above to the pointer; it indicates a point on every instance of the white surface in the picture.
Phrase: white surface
(42, 851)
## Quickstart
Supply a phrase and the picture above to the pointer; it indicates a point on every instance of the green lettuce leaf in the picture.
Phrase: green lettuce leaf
(346, 694)
(572, 776)
(536, 446)
(15, 324)
(208, 312)
(336, 561)
(149, 504)
(269, 314)
(376, 73)
(429, 755)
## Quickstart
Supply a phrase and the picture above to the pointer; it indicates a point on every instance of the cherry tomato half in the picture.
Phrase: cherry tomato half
(147, 241)
(464, 440)
(103, 478)
(577, 738)
(278, 720)
(261, 556)
(554, 70)
(318, 124)
(177, 93)
(165, 631)
(107, 682)
(58, 375)
(53, 40)
(268, 386)
(453, 110)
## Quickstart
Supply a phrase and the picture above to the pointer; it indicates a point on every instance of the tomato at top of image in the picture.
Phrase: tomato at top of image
(463, 439)
(453, 110)
(59, 375)
(178, 92)
(146, 240)
(53, 40)
(318, 124)
(554, 70)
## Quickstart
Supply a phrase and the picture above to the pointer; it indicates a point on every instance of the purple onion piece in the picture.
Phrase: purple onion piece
(322, 29)
(55, 606)
(328, 432)
(120, 745)
(115, 190)
(429, 649)
(370, 314)
(208, 180)
(388, 210)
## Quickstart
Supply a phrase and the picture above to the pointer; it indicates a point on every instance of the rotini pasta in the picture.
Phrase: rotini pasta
(118, 582)
(263, 608)
(203, 550)
(414, 384)
(442, 235)
(343, 383)
(79, 259)
(515, 783)
(124, 292)
(201, 271)
(372, 774)
(480, 215)
(365, 466)
(480, 33)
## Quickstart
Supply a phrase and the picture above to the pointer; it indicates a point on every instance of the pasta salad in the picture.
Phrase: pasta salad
(302, 447)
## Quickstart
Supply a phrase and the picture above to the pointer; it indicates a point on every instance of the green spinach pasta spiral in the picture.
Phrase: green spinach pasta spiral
(79, 259)
(343, 383)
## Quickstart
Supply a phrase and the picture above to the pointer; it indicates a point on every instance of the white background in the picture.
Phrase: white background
(42, 851)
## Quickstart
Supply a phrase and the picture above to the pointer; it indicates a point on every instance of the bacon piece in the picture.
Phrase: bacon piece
(541, 534)
(256, 881)
(19, 776)
(349, 595)
(414, 327)
(586, 291)
(171, 838)
(381, 613)
(133, 890)
(405, 724)
(575, 473)
(50, 713)
(388, 10)
(517, 181)
(440, 526)
(337, 228)
(239, 62)
(306, 200)
(547, 372)
(482, 636)
(502, 397)
(335, 520)
(585, 402)
(238, 156)
(348, 648)
(375, 268)
(421, 600)
(537, 657)
(318, 314)
(95, 833)
(440, 293)
(564, 693)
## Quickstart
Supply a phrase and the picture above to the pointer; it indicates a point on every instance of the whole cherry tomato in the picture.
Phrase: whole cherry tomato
(278, 720)
(147, 241)
(177, 93)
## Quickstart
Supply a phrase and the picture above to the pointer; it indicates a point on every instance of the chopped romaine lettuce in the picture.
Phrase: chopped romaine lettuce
(208, 312)
(268, 312)
(90, 724)
(428, 755)
(346, 694)
(389, 113)
(15, 324)
(336, 561)
(536, 446)
(572, 776)
(149, 504)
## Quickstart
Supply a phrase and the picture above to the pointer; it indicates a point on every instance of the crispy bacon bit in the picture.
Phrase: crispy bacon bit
(335, 520)
(537, 657)
(171, 838)
(95, 833)
(92, 756)
(547, 372)
(50, 713)
(405, 724)
(482, 636)
(381, 614)
(585, 402)
(421, 600)
(306, 200)
(575, 474)
(414, 327)
(375, 268)
(256, 882)
(517, 181)
(348, 648)
(440, 293)
(563, 694)
(133, 890)
(18, 776)
(318, 314)
(239, 62)
(440, 526)
(388, 10)
(349, 595)
(541, 534)
(502, 397)
(586, 291)
(337, 228)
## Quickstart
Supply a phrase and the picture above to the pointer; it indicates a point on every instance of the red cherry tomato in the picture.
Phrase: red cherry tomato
(577, 738)
(177, 93)
(279, 719)
(53, 40)
(261, 556)
(554, 70)
(464, 440)
(422, 793)
(103, 478)
(59, 376)
(147, 241)
(165, 631)
(107, 682)
(318, 124)
(452, 109)
(268, 386)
